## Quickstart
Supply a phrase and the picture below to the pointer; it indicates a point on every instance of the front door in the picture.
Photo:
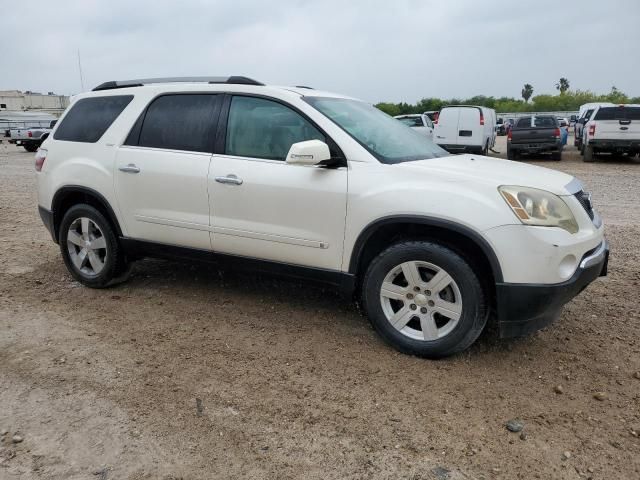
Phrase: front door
(161, 171)
(263, 207)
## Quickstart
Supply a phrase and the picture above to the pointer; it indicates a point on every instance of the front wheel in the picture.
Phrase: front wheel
(424, 299)
(90, 248)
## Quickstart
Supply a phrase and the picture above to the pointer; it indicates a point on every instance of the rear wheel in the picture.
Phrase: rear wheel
(588, 154)
(424, 299)
(557, 156)
(31, 147)
(90, 248)
(511, 154)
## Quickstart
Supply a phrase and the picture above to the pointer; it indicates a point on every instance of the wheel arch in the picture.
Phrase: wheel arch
(382, 232)
(71, 195)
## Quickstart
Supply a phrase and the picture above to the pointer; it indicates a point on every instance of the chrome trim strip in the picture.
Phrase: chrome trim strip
(596, 257)
(269, 237)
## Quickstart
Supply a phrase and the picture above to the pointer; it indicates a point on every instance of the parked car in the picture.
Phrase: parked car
(501, 127)
(583, 117)
(612, 129)
(316, 186)
(535, 135)
(466, 128)
(420, 123)
(30, 138)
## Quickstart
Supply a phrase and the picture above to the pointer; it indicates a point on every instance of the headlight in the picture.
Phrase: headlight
(538, 207)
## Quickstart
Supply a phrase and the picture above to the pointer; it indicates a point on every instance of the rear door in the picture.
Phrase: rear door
(161, 171)
(446, 131)
(470, 132)
(621, 122)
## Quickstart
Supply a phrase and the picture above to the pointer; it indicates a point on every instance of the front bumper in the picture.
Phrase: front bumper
(525, 308)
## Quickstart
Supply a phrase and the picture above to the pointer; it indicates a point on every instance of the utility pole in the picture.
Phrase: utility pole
(80, 70)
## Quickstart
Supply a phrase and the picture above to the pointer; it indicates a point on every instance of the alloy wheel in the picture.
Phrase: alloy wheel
(421, 300)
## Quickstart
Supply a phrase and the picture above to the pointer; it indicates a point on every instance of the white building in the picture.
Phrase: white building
(17, 101)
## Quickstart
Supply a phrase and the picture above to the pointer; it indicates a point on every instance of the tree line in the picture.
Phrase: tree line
(566, 100)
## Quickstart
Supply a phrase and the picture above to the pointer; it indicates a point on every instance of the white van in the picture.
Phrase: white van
(466, 128)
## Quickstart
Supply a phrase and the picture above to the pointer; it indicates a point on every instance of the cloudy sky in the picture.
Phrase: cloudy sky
(395, 50)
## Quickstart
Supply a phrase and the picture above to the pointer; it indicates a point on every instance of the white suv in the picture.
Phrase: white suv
(318, 186)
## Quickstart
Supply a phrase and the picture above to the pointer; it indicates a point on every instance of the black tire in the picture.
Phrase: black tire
(588, 154)
(116, 268)
(556, 156)
(31, 147)
(511, 154)
(474, 313)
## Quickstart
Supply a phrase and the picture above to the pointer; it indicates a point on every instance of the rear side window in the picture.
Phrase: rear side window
(260, 128)
(89, 118)
(618, 113)
(177, 122)
(524, 122)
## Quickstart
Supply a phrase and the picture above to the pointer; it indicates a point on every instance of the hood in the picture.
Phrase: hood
(495, 172)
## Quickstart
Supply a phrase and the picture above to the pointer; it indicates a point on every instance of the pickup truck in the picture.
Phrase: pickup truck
(612, 129)
(30, 138)
(535, 134)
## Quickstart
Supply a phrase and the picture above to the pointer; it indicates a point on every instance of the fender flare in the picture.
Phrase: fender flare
(62, 191)
(439, 223)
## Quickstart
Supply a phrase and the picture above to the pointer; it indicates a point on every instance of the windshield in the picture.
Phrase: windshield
(387, 139)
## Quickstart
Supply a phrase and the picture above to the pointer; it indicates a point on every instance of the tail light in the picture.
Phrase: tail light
(556, 133)
(481, 118)
(592, 129)
(29, 134)
(41, 156)
(509, 134)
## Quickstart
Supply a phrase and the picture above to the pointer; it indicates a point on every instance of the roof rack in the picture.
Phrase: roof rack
(304, 86)
(234, 79)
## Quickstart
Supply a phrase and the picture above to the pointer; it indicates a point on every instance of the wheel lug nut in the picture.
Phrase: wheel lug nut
(413, 306)
(417, 289)
(423, 310)
(431, 303)
(409, 296)
(427, 292)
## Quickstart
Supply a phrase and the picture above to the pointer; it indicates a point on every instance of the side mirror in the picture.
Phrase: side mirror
(311, 152)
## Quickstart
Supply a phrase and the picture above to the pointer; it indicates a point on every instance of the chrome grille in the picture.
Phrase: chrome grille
(585, 200)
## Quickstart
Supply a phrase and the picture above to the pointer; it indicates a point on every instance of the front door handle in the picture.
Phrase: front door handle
(131, 168)
(230, 179)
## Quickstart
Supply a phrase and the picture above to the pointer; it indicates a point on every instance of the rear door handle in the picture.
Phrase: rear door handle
(131, 168)
(230, 179)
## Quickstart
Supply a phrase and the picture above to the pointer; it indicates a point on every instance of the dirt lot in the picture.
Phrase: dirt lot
(184, 372)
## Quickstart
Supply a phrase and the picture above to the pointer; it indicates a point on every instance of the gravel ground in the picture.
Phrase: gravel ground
(186, 372)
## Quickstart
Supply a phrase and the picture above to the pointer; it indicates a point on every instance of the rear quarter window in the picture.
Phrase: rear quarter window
(524, 122)
(89, 118)
(618, 113)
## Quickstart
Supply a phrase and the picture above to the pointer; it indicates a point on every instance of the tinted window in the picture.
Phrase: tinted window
(618, 113)
(260, 128)
(89, 118)
(524, 122)
(545, 122)
(177, 122)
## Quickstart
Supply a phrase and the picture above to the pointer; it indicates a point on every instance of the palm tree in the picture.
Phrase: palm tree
(562, 85)
(527, 91)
